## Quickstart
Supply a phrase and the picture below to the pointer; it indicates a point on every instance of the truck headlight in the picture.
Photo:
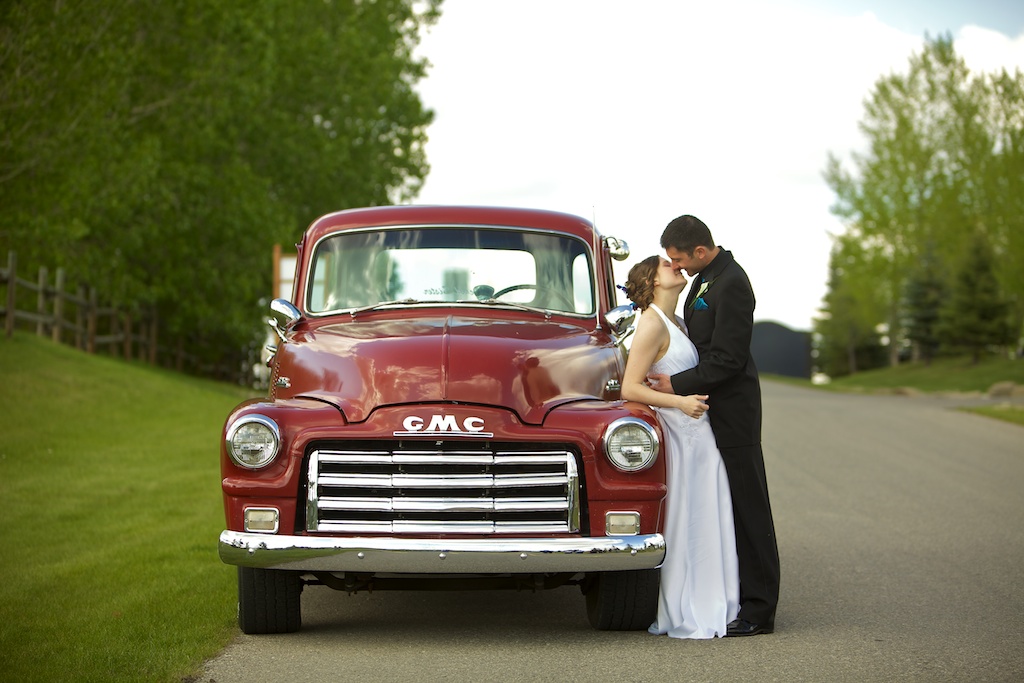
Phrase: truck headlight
(253, 441)
(631, 444)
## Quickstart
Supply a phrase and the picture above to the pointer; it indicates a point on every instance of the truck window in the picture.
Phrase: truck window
(447, 264)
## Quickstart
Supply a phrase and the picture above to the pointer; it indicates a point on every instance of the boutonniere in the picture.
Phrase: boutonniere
(698, 304)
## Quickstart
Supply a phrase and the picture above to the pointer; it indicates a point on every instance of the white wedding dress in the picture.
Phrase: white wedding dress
(700, 576)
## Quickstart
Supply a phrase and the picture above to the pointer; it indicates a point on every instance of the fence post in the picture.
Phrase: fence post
(80, 319)
(90, 343)
(12, 279)
(153, 327)
(58, 307)
(41, 301)
(115, 331)
(127, 336)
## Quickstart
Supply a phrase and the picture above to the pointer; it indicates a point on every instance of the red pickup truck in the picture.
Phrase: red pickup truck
(444, 411)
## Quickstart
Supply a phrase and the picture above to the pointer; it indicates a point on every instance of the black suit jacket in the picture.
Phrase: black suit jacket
(726, 372)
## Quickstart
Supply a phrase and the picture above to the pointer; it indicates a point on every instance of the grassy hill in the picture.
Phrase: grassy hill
(109, 479)
(944, 376)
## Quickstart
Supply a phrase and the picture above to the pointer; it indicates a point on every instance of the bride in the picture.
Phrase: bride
(700, 575)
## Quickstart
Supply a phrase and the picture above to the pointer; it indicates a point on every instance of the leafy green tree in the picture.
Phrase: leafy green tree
(852, 313)
(975, 317)
(905, 193)
(944, 159)
(1005, 192)
(160, 150)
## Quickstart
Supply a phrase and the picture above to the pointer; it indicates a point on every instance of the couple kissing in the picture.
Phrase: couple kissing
(720, 576)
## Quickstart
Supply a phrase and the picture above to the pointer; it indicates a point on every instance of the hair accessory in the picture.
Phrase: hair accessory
(624, 291)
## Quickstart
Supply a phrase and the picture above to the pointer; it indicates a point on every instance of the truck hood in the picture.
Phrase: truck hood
(527, 367)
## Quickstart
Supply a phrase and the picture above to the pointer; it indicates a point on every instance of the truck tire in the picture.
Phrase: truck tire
(268, 600)
(623, 601)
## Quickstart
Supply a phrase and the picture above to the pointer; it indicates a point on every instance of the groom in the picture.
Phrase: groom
(719, 314)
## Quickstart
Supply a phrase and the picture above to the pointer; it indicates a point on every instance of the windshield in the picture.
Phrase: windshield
(451, 264)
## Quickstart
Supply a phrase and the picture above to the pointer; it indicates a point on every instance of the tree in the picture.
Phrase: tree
(160, 150)
(925, 293)
(853, 311)
(1005, 192)
(975, 316)
(944, 160)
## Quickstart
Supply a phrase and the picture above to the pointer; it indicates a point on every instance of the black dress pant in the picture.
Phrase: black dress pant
(756, 548)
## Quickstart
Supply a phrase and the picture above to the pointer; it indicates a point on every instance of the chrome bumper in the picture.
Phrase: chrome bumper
(442, 556)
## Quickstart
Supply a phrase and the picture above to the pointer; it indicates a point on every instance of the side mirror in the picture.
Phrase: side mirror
(287, 309)
(617, 249)
(286, 314)
(620, 321)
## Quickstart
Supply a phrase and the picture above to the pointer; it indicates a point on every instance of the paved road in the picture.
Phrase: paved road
(901, 533)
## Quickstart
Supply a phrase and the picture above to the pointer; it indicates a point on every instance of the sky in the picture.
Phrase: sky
(632, 113)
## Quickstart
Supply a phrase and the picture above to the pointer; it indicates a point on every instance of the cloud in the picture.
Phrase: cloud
(634, 114)
(988, 51)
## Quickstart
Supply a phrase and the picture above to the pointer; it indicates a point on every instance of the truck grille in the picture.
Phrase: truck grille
(410, 491)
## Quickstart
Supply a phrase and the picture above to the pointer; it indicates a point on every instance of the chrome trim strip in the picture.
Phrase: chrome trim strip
(426, 526)
(433, 481)
(545, 503)
(530, 458)
(574, 492)
(354, 456)
(440, 457)
(438, 526)
(409, 555)
(516, 480)
(369, 481)
(411, 504)
(312, 495)
(447, 481)
(377, 504)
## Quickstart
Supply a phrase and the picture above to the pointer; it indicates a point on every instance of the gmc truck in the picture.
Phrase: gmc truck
(444, 412)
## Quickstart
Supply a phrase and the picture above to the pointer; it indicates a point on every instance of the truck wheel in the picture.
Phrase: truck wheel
(268, 600)
(623, 601)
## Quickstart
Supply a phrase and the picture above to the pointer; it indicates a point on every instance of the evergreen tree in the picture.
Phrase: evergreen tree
(975, 316)
(926, 291)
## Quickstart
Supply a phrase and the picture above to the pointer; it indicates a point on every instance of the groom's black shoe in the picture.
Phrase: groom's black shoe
(742, 627)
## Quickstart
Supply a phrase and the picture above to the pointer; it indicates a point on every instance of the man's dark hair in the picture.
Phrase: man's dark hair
(686, 233)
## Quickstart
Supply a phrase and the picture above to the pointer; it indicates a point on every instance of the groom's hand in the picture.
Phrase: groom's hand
(660, 382)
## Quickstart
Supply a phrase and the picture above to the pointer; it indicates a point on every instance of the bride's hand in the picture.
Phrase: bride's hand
(693, 405)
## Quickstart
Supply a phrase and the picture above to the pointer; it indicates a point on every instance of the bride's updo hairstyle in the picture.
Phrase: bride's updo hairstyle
(640, 282)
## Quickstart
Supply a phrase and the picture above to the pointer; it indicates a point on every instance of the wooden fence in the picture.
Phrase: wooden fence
(76, 316)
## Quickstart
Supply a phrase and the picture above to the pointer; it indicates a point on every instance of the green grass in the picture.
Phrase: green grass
(944, 374)
(1006, 413)
(110, 485)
